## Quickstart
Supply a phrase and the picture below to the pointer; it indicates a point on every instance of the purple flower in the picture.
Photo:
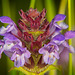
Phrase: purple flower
(12, 47)
(50, 53)
(53, 25)
(10, 28)
(34, 36)
(20, 55)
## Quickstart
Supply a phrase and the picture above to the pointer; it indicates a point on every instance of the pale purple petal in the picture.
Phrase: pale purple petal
(3, 30)
(59, 17)
(45, 57)
(56, 25)
(17, 62)
(10, 28)
(53, 44)
(69, 35)
(14, 56)
(1, 42)
(56, 55)
(27, 54)
(15, 47)
(22, 60)
(8, 53)
(51, 58)
(13, 29)
(71, 49)
(10, 37)
(63, 25)
(52, 29)
(56, 33)
(59, 39)
(65, 44)
(42, 50)
(6, 19)
(7, 47)
(61, 48)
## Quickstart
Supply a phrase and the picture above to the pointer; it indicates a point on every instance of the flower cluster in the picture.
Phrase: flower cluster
(33, 37)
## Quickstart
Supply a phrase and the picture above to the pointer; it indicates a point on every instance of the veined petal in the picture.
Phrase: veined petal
(49, 58)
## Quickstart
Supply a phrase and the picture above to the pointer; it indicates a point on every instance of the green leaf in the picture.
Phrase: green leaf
(22, 70)
(48, 68)
(51, 67)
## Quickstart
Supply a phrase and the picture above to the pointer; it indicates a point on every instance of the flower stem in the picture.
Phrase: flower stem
(70, 41)
(50, 6)
(62, 8)
(32, 4)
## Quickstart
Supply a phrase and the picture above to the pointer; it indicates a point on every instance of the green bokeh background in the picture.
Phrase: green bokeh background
(11, 7)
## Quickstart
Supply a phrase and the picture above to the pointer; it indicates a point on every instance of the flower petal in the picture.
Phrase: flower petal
(45, 57)
(6, 19)
(3, 30)
(8, 53)
(59, 39)
(17, 61)
(14, 56)
(72, 49)
(69, 35)
(63, 25)
(7, 47)
(22, 62)
(65, 44)
(59, 17)
(42, 50)
(27, 54)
